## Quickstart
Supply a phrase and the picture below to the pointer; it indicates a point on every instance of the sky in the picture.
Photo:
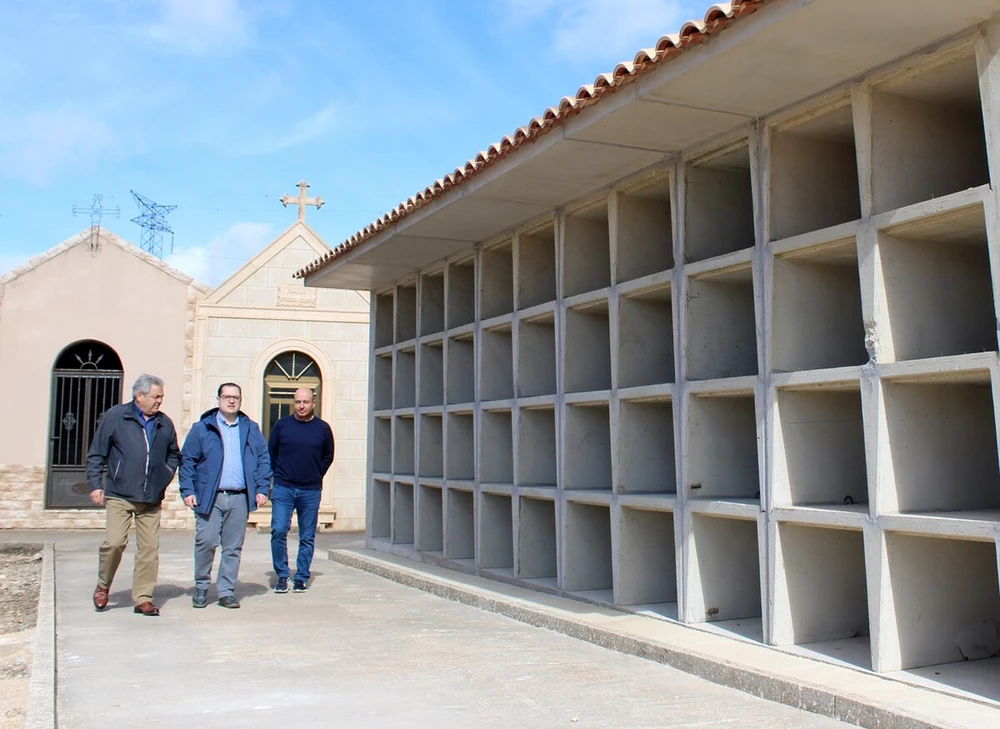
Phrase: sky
(221, 106)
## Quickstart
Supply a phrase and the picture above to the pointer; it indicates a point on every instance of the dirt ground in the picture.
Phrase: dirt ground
(20, 577)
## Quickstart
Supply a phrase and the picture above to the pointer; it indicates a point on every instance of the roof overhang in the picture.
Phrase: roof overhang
(787, 52)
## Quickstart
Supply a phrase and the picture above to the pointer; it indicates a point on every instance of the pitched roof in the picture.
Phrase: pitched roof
(692, 33)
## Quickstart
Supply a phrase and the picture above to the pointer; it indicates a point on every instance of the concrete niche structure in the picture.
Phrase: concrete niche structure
(720, 347)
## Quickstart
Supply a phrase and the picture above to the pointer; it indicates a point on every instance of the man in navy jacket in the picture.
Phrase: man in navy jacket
(301, 447)
(225, 474)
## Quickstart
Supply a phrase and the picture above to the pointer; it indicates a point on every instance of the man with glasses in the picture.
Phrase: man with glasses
(225, 474)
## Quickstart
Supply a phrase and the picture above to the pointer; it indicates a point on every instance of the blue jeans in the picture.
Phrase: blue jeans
(305, 503)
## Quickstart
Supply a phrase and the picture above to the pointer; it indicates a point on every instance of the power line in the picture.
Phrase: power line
(152, 219)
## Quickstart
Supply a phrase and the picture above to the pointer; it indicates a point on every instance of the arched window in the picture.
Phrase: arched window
(283, 376)
(86, 381)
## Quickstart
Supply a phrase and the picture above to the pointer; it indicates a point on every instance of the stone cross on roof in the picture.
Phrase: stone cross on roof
(302, 200)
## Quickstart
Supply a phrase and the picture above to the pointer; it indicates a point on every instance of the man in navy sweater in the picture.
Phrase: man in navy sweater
(301, 447)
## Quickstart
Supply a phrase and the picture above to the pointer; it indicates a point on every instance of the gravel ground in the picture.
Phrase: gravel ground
(20, 577)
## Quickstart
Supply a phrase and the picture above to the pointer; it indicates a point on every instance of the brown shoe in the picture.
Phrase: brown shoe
(146, 608)
(100, 597)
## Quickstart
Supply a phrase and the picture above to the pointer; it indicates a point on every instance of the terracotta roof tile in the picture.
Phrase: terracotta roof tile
(692, 33)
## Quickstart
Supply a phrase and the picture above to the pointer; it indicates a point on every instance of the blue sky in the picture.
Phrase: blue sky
(221, 106)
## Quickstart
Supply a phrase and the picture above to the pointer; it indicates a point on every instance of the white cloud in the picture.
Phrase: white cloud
(201, 26)
(311, 127)
(37, 146)
(216, 260)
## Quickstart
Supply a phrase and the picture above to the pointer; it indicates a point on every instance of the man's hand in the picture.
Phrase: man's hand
(97, 496)
(261, 499)
(191, 501)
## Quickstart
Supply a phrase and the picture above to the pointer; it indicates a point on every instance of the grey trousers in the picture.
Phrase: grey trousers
(225, 527)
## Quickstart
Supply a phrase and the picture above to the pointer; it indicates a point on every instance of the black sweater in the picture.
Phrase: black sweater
(301, 453)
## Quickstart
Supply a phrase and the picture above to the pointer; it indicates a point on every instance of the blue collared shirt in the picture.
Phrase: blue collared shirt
(149, 423)
(232, 460)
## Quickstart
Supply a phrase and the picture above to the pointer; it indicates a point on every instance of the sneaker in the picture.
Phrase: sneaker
(281, 586)
(200, 598)
(299, 586)
(229, 601)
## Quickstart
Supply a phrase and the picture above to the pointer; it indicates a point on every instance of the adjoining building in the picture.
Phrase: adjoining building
(716, 338)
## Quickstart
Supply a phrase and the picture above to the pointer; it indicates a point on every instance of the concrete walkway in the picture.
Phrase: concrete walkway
(355, 651)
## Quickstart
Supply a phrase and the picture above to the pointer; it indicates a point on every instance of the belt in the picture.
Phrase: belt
(232, 491)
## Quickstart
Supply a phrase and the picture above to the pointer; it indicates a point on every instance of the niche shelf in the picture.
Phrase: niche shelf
(402, 447)
(381, 510)
(588, 551)
(588, 347)
(402, 513)
(648, 561)
(722, 330)
(498, 281)
(814, 173)
(460, 295)
(928, 134)
(645, 337)
(536, 259)
(430, 524)
(719, 217)
(497, 363)
(587, 449)
(406, 313)
(586, 251)
(431, 463)
(496, 447)
(644, 232)
(460, 526)
(536, 447)
(816, 312)
(819, 448)
(383, 320)
(431, 374)
(432, 303)
(536, 356)
(937, 286)
(646, 447)
(726, 569)
(536, 540)
(496, 533)
(405, 394)
(382, 448)
(722, 447)
(383, 382)
(461, 453)
(461, 369)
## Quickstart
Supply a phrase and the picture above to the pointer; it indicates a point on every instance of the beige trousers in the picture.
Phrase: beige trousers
(120, 515)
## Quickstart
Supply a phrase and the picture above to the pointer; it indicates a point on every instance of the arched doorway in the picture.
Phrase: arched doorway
(86, 381)
(282, 377)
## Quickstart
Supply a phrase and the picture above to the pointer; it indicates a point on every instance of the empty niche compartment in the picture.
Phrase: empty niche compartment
(719, 205)
(819, 449)
(588, 348)
(383, 320)
(498, 281)
(383, 382)
(587, 458)
(648, 561)
(646, 447)
(497, 364)
(460, 527)
(402, 513)
(645, 338)
(722, 330)
(382, 451)
(937, 287)
(430, 524)
(461, 450)
(496, 447)
(726, 568)
(817, 319)
(588, 550)
(536, 540)
(928, 137)
(645, 241)
(722, 447)
(461, 369)
(945, 597)
(431, 374)
(586, 251)
(496, 532)
(406, 379)
(942, 445)
(432, 303)
(406, 313)
(403, 443)
(536, 447)
(461, 293)
(814, 173)
(431, 462)
(822, 594)
(536, 356)
(536, 267)
(381, 510)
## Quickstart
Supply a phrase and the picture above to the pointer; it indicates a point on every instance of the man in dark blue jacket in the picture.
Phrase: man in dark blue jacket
(301, 447)
(131, 461)
(225, 474)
